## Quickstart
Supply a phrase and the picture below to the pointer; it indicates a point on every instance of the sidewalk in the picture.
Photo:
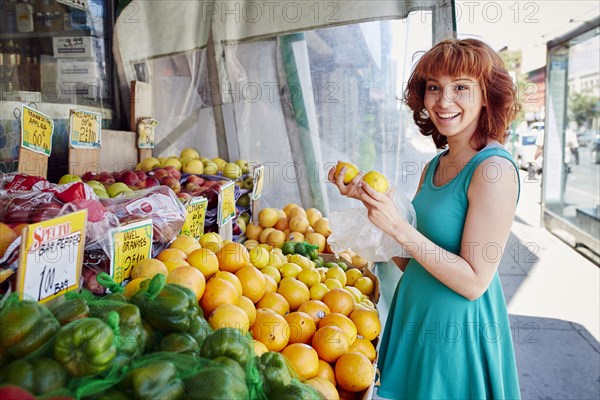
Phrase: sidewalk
(553, 299)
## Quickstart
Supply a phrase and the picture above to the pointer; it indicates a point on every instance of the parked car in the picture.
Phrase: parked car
(586, 138)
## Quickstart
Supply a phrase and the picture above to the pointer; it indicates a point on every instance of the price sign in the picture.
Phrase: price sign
(146, 133)
(129, 245)
(259, 179)
(84, 129)
(36, 131)
(51, 257)
(226, 209)
(194, 222)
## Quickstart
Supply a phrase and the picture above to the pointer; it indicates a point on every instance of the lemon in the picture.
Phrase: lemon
(290, 269)
(259, 257)
(336, 273)
(300, 260)
(354, 292)
(310, 277)
(352, 275)
(318, 291)
(377, 181)
(272, 272)
(333, 284)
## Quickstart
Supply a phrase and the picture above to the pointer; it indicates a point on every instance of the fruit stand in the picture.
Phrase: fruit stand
(193, 239)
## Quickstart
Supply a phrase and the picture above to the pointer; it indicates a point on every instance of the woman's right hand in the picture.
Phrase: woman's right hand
(349, 190)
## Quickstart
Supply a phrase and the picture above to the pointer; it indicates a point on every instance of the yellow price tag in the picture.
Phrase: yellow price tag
(259, 179)
(194, 222)
(51, 257)
(85, 129)
(129, 245)
(36, 131)
(146, 133)
(226, 203)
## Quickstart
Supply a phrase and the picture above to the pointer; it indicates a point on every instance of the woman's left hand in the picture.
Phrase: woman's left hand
(382, 211)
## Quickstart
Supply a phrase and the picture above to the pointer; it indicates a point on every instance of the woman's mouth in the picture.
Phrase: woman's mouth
(448, 116)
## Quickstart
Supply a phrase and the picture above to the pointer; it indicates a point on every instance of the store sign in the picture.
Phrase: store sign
(129, 244)
(146, 133)
(259, 179)
(36, 131)
(194, 222)
(85, 129)
(226, 210)
(51, 257)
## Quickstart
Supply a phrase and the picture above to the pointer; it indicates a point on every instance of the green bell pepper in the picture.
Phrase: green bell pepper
(168, 307)
(131, 332)
(156, 380)
(39, 376)
(25, 326)
(199, 329)
(85, 347)
(179, 342)
(70, 310)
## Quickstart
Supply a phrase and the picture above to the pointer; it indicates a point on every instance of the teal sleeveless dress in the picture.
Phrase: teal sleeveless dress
(436, 343)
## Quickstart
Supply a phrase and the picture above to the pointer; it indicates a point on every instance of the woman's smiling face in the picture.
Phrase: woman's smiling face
(454, 104)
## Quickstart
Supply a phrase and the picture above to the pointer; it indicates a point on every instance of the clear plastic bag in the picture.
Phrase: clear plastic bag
(352, 229)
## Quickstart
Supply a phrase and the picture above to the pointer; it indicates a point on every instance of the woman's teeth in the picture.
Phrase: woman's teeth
(448, 115)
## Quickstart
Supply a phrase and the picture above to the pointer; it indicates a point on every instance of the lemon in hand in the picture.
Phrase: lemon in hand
(351, 171)
(377, 181)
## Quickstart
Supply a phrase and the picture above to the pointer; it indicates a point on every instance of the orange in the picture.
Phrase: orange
(7, 236)
(294, 291)
(282, 223)
(313, 215)
(365, 347)
(270, 284)
(322, 226)
(272, 272)
(325, 387)
(229, 316)
(330, 342)
(211, 241)
(248, 306)
(367, 323)
(289, 207)
(352, 274)
(267, 217)
(172, 263)
(259, 347)
(275, 302)
(190, 278)
(186, 244)
(297, 212)
(205, 261)
(147, 268)
(332, 284)
(302, 327)
(317, 239)
(218, 291)
(253, 231)
(365, 285)
(339, 301)
(233, 257)
(276, 238)
(259, 257)
(316, 309)
(296, 237)
(171, 253)
(326, 371)
(271, 329)
(264, 234)
(231, 278)
(132, 287)
(18, 229)
(303, 359)
(354, 372)
(309, 276)
(253, 283)
(299, 224)
(342, 322)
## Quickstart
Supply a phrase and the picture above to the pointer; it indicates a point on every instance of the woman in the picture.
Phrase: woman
(447, 335)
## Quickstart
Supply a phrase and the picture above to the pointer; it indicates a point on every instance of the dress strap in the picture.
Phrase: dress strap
(484, 155)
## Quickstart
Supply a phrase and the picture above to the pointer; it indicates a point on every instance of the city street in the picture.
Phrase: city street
(583, 188)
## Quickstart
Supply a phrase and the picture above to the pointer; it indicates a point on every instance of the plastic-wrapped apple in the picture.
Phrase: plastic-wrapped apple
(105, 178)
(172, 183)
(243, 164)
(172, 162)
(129, 178)
(232, 171)
(198, 180)
(193, 167)
(141, 175)
(147, 164)
(151, 182)
(117, 188)
(184, 197)
(189, 153)
(89, 176)
(174, 172)
(44, 212)
(211, 168)
(68, 179)
(245, 217)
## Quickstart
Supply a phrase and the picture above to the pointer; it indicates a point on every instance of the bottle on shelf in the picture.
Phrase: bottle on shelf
(24, 15)
(9, 17)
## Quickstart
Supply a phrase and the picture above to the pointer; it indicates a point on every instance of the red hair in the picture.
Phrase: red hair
(458, 58)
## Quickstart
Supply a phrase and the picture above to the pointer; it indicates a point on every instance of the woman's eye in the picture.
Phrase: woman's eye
(432, 88)
(462, 87)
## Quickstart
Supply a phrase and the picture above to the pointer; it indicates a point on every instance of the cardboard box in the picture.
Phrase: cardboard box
(78, 47)
(96, 89)
(74, 69)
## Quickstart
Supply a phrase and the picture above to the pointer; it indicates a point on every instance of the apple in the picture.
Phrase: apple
(245, 216)
(159, 173)
(174, 172)
(189, 153)
(141, 175)
(115, 174)
(44, 212)
(17, 210)
(102, 193)
(198, 180)
(68, 179)
(128, 177)
(236, 230)
(210, 168)
(95, 184)
(184, 197)
(89, 176)
(147, 164)
(249, 182)
(150, 182)
(105, 178)
(172, 162)
(191, 187)
(172, 183)
(193, 167)
(117, 188)
(243, 164)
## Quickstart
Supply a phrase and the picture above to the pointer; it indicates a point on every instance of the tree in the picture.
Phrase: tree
(583, 107)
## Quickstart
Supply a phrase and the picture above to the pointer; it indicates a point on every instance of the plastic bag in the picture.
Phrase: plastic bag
(352, 229)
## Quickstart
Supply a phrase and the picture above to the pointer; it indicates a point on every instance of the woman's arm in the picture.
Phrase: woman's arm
(487, 226)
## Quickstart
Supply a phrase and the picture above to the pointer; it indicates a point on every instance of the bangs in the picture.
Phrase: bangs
(454, 60)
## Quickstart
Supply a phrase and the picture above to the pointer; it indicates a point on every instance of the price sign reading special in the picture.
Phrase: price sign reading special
(129, 245)
(36, 131)
(226, 210)
(194, 222)
(51, 257)
(146, 133)
(259, 179)
(84, 129)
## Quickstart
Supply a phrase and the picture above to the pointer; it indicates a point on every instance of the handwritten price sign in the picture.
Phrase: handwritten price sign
(51, 257)
(226, 209)
(259, 180)
(146, 133)
(36, 131)
(129, 245)
(194, 222)
(85, 129)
